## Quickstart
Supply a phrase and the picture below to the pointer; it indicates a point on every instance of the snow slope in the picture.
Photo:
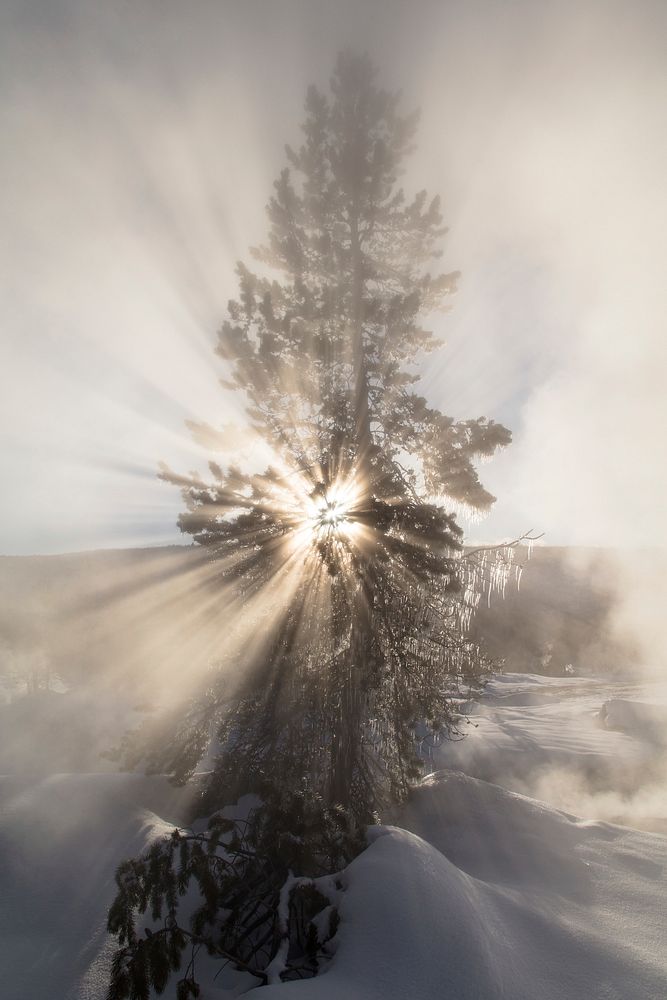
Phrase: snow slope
(497, 896)
(61, 839)
(582, 744)
(474, 891)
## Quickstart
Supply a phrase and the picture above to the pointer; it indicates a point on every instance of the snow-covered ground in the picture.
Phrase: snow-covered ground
(473, 891)
(593, 748)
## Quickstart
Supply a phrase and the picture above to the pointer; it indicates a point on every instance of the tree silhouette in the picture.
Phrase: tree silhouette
(348, 537)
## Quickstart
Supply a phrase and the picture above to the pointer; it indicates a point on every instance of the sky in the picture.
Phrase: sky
(140, 143)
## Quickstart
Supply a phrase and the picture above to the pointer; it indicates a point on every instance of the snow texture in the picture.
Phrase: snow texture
(475, 891)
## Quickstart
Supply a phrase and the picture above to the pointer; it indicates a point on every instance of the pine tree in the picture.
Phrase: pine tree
(323, 353)
(349, 537)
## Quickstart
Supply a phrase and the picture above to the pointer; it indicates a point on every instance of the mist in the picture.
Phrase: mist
(141, 148)
(141, 144)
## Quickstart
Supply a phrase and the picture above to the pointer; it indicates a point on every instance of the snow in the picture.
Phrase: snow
(546, 737)
(61, 839)
(501, 877)
(514, 900)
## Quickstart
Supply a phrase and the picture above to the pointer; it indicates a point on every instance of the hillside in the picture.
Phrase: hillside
(135, 614)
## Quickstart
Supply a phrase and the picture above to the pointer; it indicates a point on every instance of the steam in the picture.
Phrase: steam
(629, 786)
(644, 806)
(140, 149)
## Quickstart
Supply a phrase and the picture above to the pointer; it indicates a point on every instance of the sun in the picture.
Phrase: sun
(323, 515)
(331, 511)
(332, 515)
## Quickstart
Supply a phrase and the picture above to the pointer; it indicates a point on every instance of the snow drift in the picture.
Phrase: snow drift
(475, 891)
(61, 839)
(495, 895)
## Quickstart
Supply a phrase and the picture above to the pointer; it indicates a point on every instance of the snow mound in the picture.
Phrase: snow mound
(474, 891)
(489, 894)
(61, 840)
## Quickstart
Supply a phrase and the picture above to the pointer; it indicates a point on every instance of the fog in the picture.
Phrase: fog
(140, 145)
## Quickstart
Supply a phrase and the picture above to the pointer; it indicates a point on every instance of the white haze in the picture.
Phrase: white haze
(140, 144)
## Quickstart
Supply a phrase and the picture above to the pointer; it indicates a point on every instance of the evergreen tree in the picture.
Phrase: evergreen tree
(374, 628)
(349, 534)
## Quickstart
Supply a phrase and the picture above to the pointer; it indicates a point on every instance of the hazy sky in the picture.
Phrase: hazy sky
(140, 142)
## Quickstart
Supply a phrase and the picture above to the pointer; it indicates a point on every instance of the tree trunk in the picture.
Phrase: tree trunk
(361, 402)
(347, 743)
